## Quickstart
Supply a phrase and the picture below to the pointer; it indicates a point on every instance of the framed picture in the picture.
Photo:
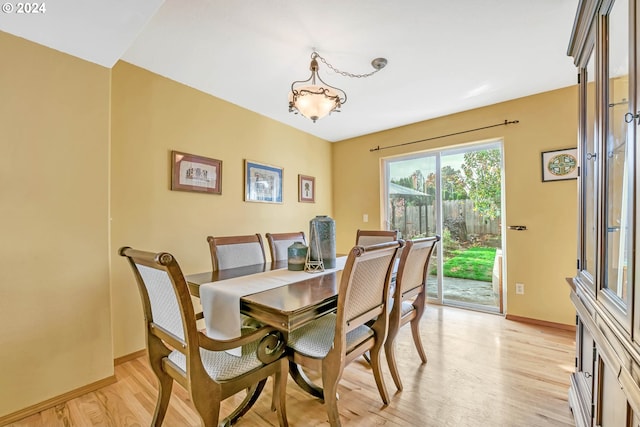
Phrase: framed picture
(306, 189)
(262, 183)
(560, 165)
(195, 173)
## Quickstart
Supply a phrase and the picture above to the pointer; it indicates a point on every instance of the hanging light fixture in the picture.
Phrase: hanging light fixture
(314, 100)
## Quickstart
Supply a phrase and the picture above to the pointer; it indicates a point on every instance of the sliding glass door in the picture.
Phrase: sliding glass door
(456, 193)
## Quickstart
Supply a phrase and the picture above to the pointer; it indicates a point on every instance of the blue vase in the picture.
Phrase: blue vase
(296, 256)
(325, 235)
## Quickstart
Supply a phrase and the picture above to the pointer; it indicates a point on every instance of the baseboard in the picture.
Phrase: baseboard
(541, 322)
(31, 410)
(39, 407)
(127, 357)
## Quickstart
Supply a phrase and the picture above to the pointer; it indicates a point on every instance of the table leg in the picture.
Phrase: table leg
(304, 382)
(253, 393)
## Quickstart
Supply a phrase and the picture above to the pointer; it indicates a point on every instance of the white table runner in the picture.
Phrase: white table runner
(221, 300)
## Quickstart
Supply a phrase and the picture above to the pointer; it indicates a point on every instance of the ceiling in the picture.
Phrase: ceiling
(443, 56)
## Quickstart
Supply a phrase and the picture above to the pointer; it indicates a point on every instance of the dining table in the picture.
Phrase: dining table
(195, 280)
(289, 300)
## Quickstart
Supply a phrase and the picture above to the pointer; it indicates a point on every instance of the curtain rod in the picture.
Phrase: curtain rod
(506, 122)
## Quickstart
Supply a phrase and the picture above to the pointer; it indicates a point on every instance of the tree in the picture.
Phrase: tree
(453, 187)
(482, 181)
(430, 185)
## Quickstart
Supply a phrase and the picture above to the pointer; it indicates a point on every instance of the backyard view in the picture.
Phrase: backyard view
(470, 193)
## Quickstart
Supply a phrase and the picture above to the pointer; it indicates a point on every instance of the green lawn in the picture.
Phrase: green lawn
(473, 263)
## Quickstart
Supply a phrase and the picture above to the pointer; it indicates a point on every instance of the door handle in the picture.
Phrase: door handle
(630, 117)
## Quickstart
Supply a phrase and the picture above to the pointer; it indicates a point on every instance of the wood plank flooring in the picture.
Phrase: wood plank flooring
(483, 370)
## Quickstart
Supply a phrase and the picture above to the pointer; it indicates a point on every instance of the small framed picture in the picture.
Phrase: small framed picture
(306, 189)
(195, 173)
(560, 165)
(263, 183)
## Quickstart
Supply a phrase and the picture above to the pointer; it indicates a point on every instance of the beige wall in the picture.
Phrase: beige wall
(540, 257)
(54, 302)
(152, 116)
(76, 187)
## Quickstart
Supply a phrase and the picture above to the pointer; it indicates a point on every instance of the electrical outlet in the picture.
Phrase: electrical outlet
(520, 288)
(365, 217)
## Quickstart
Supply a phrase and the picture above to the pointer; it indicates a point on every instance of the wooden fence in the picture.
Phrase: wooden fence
(416, 220)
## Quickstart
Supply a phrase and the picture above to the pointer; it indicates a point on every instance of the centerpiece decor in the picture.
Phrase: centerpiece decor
(296, 256)
(314, 264)
(323, 240)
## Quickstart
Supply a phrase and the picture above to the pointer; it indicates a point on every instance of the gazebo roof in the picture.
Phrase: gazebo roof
(399, 190)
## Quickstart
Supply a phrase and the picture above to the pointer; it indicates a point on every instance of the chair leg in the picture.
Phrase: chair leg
(165, 384)
(415, 331)
(209, 411)
(331, 404)
(330, 387)
(279, 401)
(377, 373)
(390, 351)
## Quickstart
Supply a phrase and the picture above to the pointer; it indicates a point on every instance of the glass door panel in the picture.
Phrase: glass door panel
(587, 176)
(411, 203)
(457, 194)
(411, 207)
(470, 180)
(617, 168)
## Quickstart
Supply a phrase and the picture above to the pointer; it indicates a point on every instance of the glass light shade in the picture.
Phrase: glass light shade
(315, 102)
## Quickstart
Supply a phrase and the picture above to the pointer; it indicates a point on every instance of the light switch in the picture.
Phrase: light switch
(365, 218)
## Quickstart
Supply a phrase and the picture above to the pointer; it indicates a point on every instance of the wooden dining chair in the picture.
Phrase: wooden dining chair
(373, 237)
(178, 351)
(236, 251)
(409, 298)
(280, 242)
(331, 342)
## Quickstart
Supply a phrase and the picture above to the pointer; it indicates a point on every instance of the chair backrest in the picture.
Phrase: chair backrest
(374, 237)
(364, 289)
(411, 278)
(168, 310)
(280, 242)
(236, 251)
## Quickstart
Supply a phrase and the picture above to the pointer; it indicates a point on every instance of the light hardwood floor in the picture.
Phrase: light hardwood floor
(483, 370)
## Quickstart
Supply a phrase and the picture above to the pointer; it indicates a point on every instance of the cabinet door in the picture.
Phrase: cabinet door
(635, 106)
(617, 164)
(586, 359)
(584, 376)
(587, 180)
(612, 409)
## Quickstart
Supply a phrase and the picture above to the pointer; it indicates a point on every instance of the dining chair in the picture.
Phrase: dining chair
(331, 342)
(280, 242)
(236, 251)
(178, 352)
(409, 298)
(373, 237)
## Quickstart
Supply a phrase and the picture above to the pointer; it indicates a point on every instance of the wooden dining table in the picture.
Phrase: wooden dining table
(286, 307)
(195, 280)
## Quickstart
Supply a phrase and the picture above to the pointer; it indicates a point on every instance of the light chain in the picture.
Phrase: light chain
(344, 73)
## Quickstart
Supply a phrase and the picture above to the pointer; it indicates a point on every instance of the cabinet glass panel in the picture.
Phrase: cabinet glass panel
(587, 173)
(617, 202)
